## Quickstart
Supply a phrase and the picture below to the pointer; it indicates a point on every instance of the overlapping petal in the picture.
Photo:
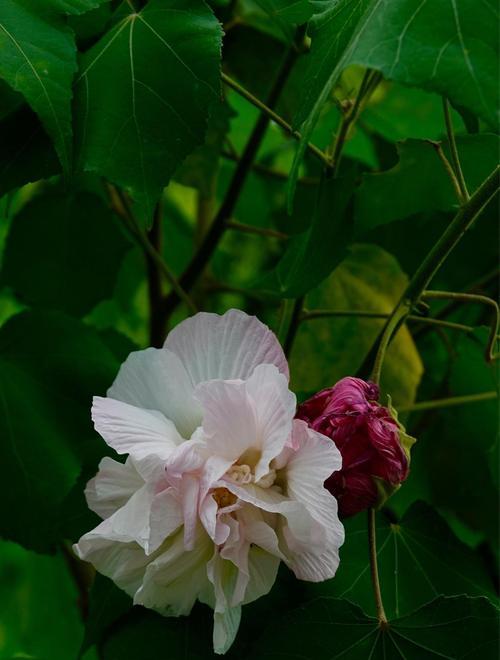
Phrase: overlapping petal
(221, 484)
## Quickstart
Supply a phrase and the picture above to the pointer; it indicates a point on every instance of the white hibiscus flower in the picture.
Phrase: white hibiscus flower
(220, 484)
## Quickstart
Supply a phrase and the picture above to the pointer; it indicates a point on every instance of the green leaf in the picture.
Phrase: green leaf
(26, 153)
(75, 6)
(419, 181)
(50, 366)
(38, 59)
(460, 444)
(57, 237)
(453, 628)
(458, 59)
(185, 638)
(107, 603)
(136, 127)
(369, 279)
(419, 559)
(40, 617)
(312, 255)
(287, 13)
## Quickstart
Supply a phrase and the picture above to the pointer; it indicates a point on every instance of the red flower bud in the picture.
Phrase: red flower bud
(374, 445)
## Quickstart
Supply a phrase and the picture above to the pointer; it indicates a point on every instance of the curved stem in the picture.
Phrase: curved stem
(462, 186)
(242, 91)
(449, 402)
(138, 234)
(432, 263)
(370, 81)
(260, 231)
(472, 297)
(372, 543)
(449, 170)
(426, 320)
(211, 239)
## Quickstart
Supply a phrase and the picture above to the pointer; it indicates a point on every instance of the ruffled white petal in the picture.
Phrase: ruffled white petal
(223, 574)
(263, 569)
(176, 577)
(112, 487)
(130, 430)
(155, 379)
(315, 459)
(165, 518)
(226, 347)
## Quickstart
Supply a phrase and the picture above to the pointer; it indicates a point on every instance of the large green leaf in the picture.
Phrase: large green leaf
(38, 59)
(455, 462)
(420, 183)
(326, 629)
(40, 617)
(71, 247)
(50, 366)
(419, 558)
(26, 152)
(370, 280)
(312, 255)
(136, 127)
(457, 58)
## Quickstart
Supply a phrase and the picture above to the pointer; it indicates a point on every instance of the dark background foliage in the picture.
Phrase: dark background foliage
(137, 184)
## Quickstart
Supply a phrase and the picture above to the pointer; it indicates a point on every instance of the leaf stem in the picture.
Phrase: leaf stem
(464, 193)
(260, 231)
(449, 170)
(242, 91)
(372, 543)
(211, 239)
(432, 262)
(138, 234)
(326, 313)
(449, 402)
(370, 81)
(156, 330)
(475, 298)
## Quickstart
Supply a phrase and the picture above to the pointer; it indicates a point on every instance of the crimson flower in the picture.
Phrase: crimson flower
(374, 446)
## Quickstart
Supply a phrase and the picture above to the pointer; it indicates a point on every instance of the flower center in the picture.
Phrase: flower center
(244, 474)
(223, 497)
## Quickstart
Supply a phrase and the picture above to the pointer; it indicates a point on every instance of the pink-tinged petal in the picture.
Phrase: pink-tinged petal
(189, 495)
(229, 419)
(248, 421)
(155, 379)
(135, 431)
(275, 407)
(304, 529)
(112, 487)
(225, 347)
(176, 577)
(308, 468)
(165, 518)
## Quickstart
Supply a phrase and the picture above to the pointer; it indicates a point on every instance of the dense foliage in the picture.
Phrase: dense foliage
(309, 162)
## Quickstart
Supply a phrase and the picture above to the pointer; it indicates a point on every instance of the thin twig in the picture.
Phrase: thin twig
(455, 159)
(372, 546)
(138, 234)
(271, 172)
(260, 231)
(242, 91)
(449, 170)
(431, 264)
(211, 239)
(449, 402)
(474, 298)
